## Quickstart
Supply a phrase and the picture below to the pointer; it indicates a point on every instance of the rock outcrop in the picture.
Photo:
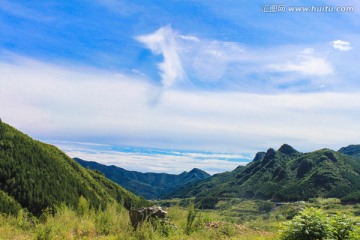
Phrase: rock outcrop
(137, 216)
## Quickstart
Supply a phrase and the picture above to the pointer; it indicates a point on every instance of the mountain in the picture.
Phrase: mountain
(351, 150)
(201, 188)
(35, 175)
(147, 185)
(284, 175)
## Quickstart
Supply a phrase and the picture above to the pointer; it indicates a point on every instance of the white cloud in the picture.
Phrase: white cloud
(163, 42)
(308, 51)
(306, 65)
(189, 38)
(341, 45)
(91, 105)
(240, 67)
(154, 160)
(232, 65)
(211, 59)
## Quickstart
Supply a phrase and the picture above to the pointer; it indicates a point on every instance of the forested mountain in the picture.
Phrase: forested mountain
(147, 185)
(284, 175)
(351, 150)
(201, 188)
(36, 175)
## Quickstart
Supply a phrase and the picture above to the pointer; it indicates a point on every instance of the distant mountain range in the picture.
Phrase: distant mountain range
(285, 175)
(35, 176)
(147, 185)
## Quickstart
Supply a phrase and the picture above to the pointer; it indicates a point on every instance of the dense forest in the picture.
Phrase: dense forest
(37, 176)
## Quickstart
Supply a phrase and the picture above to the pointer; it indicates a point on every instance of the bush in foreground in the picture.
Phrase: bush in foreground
(314, 224)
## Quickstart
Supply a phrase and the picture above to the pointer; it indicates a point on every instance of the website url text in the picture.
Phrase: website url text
(281, 8)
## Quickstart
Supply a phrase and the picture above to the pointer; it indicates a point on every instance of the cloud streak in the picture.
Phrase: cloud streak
(20, 11)
(163, 42)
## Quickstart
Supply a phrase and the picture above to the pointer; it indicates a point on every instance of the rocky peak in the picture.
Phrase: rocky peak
(270, 154)
(287, 149)
(259, 156)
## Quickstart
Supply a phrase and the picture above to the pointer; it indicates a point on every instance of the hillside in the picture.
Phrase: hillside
(202, 187)
(147, 185)
(37, 175)
(351, 150)
(285, 175)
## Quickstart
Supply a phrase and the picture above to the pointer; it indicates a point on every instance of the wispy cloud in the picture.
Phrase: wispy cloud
(305, 65)
(341, 45)
(18, 10)
(123, 7)
(232, 65)
(163, 42)
(189, 38)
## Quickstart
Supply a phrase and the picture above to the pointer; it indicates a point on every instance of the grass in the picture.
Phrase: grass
(232, 219)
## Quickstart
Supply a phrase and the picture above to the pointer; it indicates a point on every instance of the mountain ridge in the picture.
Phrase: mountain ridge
(285, 175)
(351, 150)
(148, 185)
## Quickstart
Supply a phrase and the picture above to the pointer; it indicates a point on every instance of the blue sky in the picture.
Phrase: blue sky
(206, 77)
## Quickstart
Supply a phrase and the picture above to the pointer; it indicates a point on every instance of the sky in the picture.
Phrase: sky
(165, 86)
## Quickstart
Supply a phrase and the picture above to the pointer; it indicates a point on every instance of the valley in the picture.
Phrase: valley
(44, 194)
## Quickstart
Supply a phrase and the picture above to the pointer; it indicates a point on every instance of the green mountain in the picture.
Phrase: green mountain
(351, 150)
(36, 175)
(284, 175)
(147, 185)
(201, 188)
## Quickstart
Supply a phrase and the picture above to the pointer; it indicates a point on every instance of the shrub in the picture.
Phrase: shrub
(310, 224)
(8, 204)
(24, 220)
(228, 230)
(342, 226)
(44, 233)
(190, 219)
(83, 206)
(206, 202)
(103, 221)
(314, 224)
(352, 197)
(265, 206)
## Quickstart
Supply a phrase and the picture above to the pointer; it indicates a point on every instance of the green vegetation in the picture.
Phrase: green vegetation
(113, 223)
(37, 176)
(147, 185)
(351, 150)
(318, 219)
(8, 205)
(190, 219)
(44, 194)
(284, 175)
(201, 188)
(313, 223)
